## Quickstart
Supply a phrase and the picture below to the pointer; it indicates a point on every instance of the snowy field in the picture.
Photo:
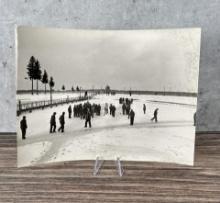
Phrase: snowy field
(170, 140)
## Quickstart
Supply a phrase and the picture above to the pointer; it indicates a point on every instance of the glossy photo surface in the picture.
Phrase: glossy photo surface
(109, 93)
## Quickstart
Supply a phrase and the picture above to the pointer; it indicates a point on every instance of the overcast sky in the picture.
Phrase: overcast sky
(137, 59)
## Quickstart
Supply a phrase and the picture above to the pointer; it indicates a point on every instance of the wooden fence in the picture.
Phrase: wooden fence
(29, 106)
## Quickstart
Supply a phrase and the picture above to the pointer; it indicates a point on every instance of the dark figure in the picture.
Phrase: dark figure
(120, 100)
(144, 108)
(110, 109)
(23, 126)
(62, 122)
(99, 110)
(123, 108)
(88, 118)
(130, 93)
(53, 123)
(128, 108)
(132, 115)
(194, 118)
(113, 111)
(74, 111)
(155, 115)
(70, 111)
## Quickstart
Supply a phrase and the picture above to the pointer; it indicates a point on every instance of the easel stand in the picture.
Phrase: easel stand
(99, 162)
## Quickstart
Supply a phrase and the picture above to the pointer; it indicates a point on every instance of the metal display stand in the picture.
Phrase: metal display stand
(119, 167)
(99, 162)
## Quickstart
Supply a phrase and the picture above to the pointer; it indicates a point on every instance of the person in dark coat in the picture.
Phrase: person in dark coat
(113, 110)
(155, 115)
(23, 126)
(144, 108)
(99, 110)
(74, 111)
(88, 118)
(62, 122)
(86, 94)
(70, 111)
(131, 116)
(53, 123)
(123, 108)
(128, 109)
(110, 109)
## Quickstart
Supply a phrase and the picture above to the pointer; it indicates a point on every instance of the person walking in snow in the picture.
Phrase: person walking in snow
(155, 115)
(132, 115)
(62, 122)
(110, 109)
(113, 110)
(53, 123)
(144, 108)
(23, 126)
(123, 108)
(88, 118)
(70, 111)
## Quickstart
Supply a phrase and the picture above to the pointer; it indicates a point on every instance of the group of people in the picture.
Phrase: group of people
(84, 111)
(126, 105)
(126, 110)
(87, 111)
(80, 110)
(53, 122)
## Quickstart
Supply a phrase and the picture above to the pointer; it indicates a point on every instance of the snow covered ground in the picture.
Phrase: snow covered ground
(169, 140)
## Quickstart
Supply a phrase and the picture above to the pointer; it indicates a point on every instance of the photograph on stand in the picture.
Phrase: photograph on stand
(128, 94)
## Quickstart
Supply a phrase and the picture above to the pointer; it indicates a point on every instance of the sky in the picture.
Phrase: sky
(153, 60)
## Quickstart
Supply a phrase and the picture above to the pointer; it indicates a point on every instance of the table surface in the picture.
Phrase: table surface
(142, 181)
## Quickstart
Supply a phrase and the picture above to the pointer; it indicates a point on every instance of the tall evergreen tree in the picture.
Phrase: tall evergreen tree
(72, 88)
(77, 89)
(51, 84)
(45, 80)
(31, 72)
(37, 72)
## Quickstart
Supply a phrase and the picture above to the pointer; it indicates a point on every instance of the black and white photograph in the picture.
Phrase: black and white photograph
(83, 94)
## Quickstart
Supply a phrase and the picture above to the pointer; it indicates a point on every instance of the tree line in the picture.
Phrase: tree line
(34, 72)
